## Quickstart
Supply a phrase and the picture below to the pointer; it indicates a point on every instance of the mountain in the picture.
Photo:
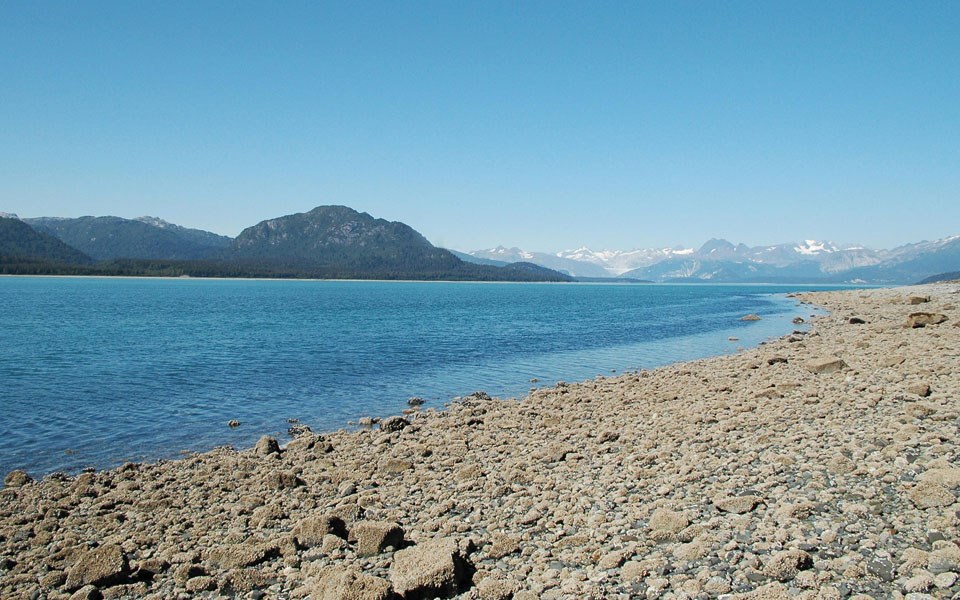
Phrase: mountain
(337, 241)
(20, 242)
(571, 267)
(618, 262)
(106, 238)
(952, 276)
(719, 260)
(196, 236)
(340, 236)
(911, 263)
(469, 258)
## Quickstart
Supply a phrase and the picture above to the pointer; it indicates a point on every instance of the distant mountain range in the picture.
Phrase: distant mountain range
(721, 261)
(326, 242)
(339, 242)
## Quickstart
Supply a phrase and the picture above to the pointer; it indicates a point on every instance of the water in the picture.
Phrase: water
(98, 371)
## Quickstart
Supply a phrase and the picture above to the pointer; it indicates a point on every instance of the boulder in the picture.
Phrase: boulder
(665, 522)
(333, 545)
(948, 476)
(311, 531)
(737, 504)
(102, 566)
(826, 364)
(922, 319)
(267, 446)
(502, 545)
(391, 424)
(928, 494)
(892, 361)
(784, 566)
(856, 321)
(299, 429)
(429, 570)
(87, 592)
(282, 480)
(373, 537)
(750, 317)
(493, 588)
(920, 389)
(415, 401)
(798, 321)
(944, 559)
(233, 423)
(16, 478)
(343, 583)
(918, 300)
(236, 556)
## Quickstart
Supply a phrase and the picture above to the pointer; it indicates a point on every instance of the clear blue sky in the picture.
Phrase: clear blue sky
(542, 125)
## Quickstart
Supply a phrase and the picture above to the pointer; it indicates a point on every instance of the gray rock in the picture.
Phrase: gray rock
(266, 446)
(392, 424)
(16, 478)
(882, 567)
(944, 559)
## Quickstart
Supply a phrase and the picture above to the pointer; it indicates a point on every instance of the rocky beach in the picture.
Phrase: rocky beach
(824, 464)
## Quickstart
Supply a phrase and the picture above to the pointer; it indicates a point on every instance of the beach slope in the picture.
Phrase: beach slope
(823, 464)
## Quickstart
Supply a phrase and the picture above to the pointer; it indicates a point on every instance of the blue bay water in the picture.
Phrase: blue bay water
(100, 371)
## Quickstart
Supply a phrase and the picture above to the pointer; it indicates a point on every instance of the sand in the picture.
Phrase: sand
(823, 464)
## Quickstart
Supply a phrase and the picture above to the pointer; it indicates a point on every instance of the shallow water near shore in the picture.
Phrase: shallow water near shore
(96, 371)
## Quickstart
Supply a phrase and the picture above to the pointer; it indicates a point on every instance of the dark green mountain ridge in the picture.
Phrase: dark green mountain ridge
(108, 238)
(19, 241)
(328, 242)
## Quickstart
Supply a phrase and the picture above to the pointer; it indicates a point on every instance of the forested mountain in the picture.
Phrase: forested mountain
(328, 242)
(20, 241)
(337, 241)
(106, 238)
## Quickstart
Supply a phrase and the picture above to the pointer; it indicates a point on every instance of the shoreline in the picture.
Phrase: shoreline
(816, 464)
(555, 366)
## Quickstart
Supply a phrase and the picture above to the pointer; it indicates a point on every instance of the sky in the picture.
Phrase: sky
(544, 125)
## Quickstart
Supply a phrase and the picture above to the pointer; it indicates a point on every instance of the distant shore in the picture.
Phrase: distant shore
(817, 465)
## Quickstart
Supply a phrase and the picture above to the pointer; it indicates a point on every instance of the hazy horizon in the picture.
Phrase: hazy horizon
(544, 126)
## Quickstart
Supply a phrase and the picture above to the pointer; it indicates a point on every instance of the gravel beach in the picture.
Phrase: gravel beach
(824, 464)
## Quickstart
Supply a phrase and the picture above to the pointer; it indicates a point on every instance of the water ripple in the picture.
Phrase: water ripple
(96, 372)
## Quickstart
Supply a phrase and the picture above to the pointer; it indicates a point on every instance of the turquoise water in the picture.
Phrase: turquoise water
(99, 371)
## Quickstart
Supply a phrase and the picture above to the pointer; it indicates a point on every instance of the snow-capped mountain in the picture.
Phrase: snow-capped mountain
(617, 262)
(557, 262)
(720, 260)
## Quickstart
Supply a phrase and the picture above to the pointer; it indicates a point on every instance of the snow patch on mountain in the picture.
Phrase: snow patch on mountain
(720, 260)
(813, 247)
